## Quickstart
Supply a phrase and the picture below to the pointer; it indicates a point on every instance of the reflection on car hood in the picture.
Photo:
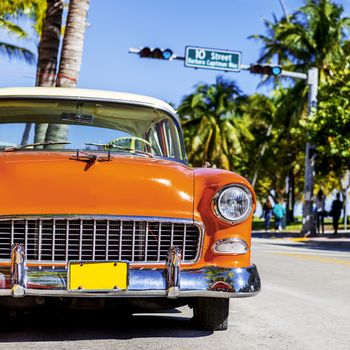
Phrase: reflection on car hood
(53, 183)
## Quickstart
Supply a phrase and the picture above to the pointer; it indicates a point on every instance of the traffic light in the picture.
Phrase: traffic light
(162, 54)
(265, 69)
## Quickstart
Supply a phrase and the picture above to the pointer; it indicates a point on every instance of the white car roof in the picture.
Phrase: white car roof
(89, 94)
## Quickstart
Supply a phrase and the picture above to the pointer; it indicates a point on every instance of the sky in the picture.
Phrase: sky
(117, 25)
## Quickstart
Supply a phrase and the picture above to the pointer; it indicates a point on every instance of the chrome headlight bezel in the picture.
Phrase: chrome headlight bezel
(218, 196)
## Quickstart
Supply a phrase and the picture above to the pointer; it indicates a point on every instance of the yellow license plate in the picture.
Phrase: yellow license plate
(97, 276)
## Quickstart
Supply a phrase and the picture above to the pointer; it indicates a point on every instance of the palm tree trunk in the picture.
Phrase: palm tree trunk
(71, 57)
(47, 61)
(26, 133)
(261, 154)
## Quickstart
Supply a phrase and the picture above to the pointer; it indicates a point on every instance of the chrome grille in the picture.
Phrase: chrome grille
(64, 239)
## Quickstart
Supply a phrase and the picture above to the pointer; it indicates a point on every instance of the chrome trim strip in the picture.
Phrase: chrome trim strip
(172, 235)
(146, 241)
(80, 239)
(107, 241)
(98, 216)
(120, 240)
(26, 238)
(133, 240)
(131, 294)
(173, 272)
(67, 240)
(18, 270)
(159, 239)
(12, 232)
(184, 243)
(94, 241)
(53, 238)
(40, 241)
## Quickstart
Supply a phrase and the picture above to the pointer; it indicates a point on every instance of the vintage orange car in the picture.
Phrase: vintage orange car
(100, 206)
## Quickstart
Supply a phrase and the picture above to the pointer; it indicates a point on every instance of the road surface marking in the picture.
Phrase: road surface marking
(299, 239)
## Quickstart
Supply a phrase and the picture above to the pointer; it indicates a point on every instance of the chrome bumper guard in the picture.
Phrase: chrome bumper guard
(171, 282)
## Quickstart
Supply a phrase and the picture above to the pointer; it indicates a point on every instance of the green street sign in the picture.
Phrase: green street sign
(200, 57)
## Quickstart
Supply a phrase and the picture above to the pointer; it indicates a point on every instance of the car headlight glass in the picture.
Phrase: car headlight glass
(234, 203)
(232, 245)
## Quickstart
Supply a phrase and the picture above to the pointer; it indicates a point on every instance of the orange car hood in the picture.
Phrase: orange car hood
(52, 183)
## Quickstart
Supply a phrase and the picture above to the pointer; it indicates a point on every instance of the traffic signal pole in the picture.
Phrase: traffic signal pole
(308, 227)
(308, 224)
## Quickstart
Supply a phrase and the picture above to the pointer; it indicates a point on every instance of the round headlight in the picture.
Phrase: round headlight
(233, 203)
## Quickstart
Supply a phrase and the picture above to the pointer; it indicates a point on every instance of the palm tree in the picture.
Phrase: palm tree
(213, 130)
(47, 61)
(313, 36)
(9, 11)
(71, 58)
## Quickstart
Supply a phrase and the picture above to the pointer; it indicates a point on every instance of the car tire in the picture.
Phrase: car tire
(211, 313)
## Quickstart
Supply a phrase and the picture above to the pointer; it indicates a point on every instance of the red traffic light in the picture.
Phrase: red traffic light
(265, 69)
(145, 52)
(162, 54)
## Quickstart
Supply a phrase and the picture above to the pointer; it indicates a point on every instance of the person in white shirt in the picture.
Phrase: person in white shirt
(320, 205)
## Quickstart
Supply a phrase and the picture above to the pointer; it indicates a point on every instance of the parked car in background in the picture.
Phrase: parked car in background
(109, 210)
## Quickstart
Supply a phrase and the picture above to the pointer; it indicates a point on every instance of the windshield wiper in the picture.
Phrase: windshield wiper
(44, 143)
(108, 146)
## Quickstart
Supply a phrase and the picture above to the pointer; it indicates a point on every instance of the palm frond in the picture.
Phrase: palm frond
(13, 28)
(14, 51)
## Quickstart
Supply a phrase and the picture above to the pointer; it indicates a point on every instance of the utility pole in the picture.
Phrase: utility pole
(308, 227)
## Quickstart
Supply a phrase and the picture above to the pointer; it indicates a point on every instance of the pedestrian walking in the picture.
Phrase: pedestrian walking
(320, 211)
(279, 211)
(267, 213)
(337, 207)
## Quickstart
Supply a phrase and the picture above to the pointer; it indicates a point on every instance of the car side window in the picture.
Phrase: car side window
(164, 136)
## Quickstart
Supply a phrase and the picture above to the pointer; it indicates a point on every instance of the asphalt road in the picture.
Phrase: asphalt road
(305, 304)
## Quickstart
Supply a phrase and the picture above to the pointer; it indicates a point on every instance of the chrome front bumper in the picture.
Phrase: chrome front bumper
(171, 282)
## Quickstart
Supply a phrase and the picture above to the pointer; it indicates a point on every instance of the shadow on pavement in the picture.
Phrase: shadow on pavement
(65, 325)
(340, 242)
(327, 245)
(272, 234)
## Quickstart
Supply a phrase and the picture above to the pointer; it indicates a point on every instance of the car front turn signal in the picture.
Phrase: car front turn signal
(234, 246)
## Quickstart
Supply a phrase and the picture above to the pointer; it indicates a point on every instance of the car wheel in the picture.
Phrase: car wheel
(211, 313)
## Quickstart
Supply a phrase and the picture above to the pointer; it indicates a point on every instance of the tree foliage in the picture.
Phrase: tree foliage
(11, 11)
(329, 128)
(313, 36)
(316, 35)
(267, 134)
(215, 130)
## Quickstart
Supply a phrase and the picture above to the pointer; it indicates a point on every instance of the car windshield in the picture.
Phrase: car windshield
(88, 125)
